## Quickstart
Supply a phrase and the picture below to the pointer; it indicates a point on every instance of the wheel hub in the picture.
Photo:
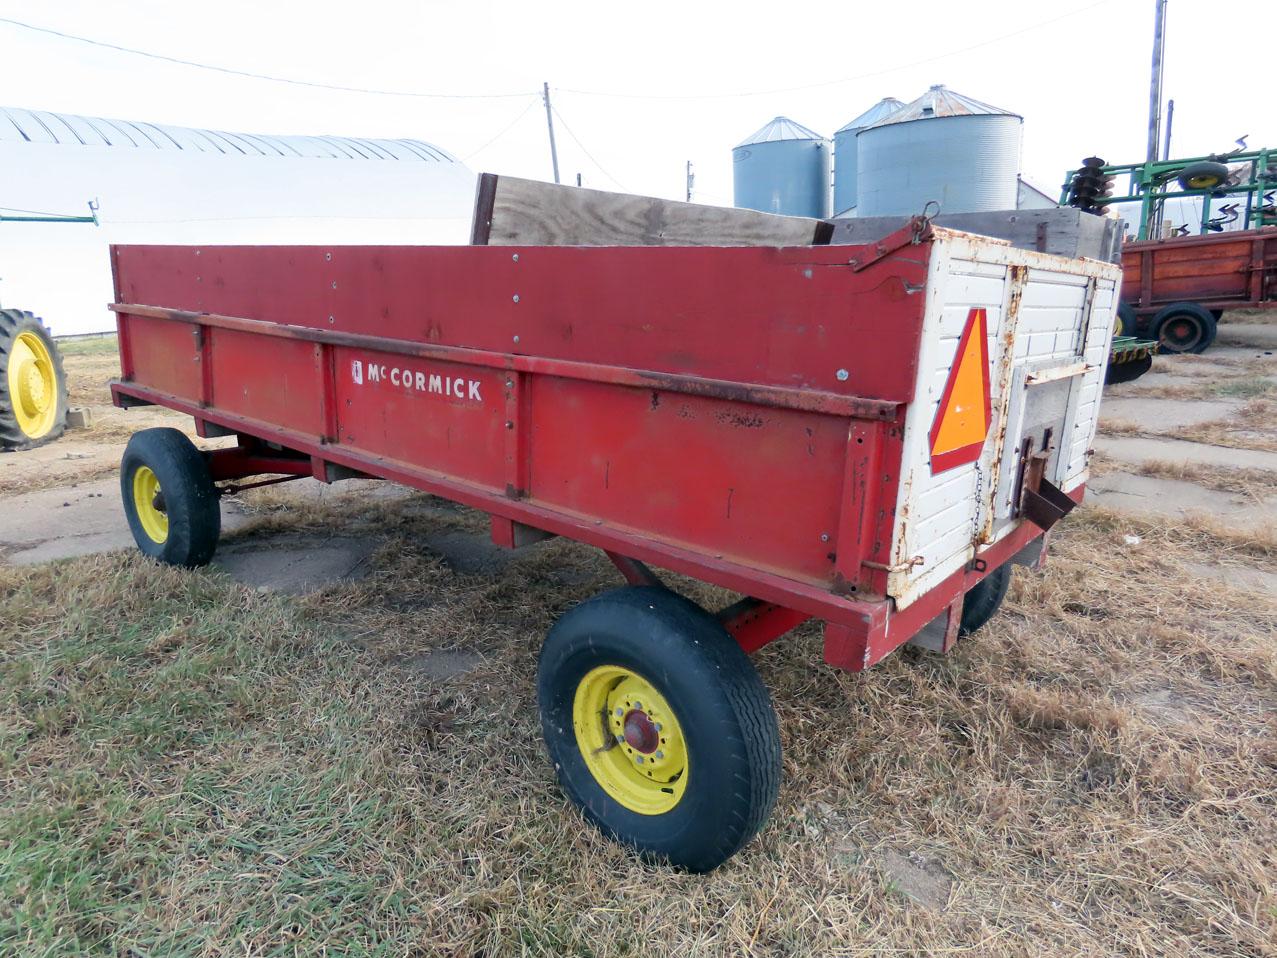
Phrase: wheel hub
(637, 754)
(641, 733)
(148, 503)
(32, 385)
(33, 395)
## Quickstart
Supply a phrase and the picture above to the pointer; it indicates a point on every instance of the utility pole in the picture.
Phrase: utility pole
(1170, 118)
(1155, 86)
(691, 179)
(549, 119)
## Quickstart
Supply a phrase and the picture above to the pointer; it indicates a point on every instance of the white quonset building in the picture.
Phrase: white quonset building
(167, 184)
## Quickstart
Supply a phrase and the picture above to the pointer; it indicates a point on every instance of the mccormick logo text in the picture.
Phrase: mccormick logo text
(415, 380)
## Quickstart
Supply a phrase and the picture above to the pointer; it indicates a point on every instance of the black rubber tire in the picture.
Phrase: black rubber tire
(1208, 169)
(13, 322)
(984, 599)
(732, 738)
(1128, 371)
(190, 497)
(1128, 323)
(1201, 328)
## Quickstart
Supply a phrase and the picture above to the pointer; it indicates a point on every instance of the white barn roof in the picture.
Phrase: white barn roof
(39, 126)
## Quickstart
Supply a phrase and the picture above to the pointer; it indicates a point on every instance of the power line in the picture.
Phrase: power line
(828, 83)
(259, 76)
(575, 139)
(504, 130)
(10, 209)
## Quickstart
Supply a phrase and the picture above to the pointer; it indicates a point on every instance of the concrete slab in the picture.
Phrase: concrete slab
(1175, 499)
(62, 523)
(1162, 415)
(1241, 353)
(1190, 370)
(294, 564)
(1243, 577)
(1148, 449)
(1259, 335)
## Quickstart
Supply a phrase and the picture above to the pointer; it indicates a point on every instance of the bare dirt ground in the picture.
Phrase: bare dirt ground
(327, 742)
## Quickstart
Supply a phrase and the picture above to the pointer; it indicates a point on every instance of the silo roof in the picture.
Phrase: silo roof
(781, 128)
(940, 101)
(40, 126)
(884, 108)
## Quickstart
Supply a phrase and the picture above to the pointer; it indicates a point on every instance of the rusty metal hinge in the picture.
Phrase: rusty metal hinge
(917, 230)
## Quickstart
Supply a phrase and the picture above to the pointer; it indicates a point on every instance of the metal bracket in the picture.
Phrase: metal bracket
(1041, 501)
(917, 230)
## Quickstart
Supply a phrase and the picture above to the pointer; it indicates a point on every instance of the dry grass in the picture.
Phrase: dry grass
(1122, 427)
(1255, 484)
(192, 767)
(1253, 426)
(1248, 317)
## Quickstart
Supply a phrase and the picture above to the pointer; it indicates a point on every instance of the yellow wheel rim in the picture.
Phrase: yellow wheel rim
(33, 385)
(630, 739)
(149, 504)
(1203, 182)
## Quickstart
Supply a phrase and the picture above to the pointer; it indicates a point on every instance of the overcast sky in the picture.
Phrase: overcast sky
(673, 74)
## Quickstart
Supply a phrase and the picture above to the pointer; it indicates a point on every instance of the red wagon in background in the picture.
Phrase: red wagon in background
(865, 435)
(1177, 288)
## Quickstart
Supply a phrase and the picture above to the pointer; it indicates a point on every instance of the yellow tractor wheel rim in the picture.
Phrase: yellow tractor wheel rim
(1203, 182)
(148, 504)
(33, 385)
(630, 739)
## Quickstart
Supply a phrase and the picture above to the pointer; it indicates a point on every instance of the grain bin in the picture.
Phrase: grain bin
(943, 146)
(845, 152)
(783, 168)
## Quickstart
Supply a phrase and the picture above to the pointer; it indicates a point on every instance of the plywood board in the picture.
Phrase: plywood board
(516, 212)
(1063, 232)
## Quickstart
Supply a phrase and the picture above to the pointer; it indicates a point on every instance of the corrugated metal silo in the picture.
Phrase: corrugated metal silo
(943, 146)
(783, 168)
(845, 152)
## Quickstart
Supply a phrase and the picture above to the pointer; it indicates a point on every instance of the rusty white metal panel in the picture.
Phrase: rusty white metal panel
(937, 515)
(1049, 318)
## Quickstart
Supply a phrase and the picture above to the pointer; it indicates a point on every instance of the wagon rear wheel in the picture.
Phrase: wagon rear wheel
(983, 600)
(169, 498)
(1184, 328)
(658, 726)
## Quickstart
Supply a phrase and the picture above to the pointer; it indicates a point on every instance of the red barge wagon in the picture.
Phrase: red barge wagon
(865, 435)
(1178, 288)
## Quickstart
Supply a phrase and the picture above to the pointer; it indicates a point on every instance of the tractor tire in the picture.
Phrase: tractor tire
(1127, 322)
(984, 599)
(169, 498)
(33, 385)
(1205, 175)
(659, 728)
(1184, 328)
(1128, 371)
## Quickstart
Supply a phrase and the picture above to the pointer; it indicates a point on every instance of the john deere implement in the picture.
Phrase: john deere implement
(33, 387)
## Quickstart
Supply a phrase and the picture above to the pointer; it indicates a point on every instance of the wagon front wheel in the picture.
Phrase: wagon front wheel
(659, 728)
(169, 498)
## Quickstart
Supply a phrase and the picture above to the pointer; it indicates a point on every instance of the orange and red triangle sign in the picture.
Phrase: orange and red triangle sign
(962, 420)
